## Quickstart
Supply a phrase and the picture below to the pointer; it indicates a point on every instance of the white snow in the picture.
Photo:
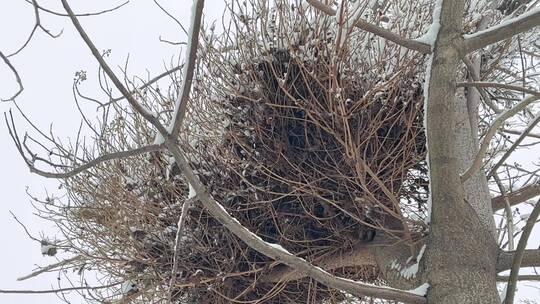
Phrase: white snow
(525, 216)
(502, 295)
(410, 271)
(278, 247)
(187, 58)
(159, 139)
(47, 248)
(420, 290)
(430, 37)
(128, 286)
(192, 192)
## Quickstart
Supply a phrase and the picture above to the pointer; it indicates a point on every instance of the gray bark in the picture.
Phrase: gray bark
(461, 254)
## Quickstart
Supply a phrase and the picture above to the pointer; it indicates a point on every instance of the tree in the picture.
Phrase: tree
(301, 131)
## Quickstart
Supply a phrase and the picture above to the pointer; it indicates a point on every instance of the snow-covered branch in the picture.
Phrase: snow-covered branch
(50, 267)
(377, 30)
(502, 31)
(189, 68)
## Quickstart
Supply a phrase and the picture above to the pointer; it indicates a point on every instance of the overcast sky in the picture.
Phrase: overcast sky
(47, 67)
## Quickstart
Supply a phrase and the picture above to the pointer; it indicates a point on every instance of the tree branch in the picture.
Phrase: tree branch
(147, 83)
(17, 77)
(189, 68)
(49, 268)
(483, 84)
(531, 258)
(518, 255)
(502, 31)
(57, 290)
(516, 197)
(377, 30)
(520, 278)
(87, 165)
(117, 83)
(477, 163)
(362, 255)
(514, 146)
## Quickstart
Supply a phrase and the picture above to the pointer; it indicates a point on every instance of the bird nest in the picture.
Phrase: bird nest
(309, 140)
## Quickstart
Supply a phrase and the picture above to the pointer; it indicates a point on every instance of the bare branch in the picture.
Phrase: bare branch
(518, 255)
(98, 160)
(531, 258)
(276, 252)
(87, 165)
(514, 146)
(477, 163)
(58, 290)
(117, 83)
(148, 83)
(502, 31)
(360, 256)
(37, 24)
(508, 212)
(50, 267)
(514, 132)
(379, 31)
(17, 77)
(483, 84)
(532, 277)
(76, 15)
(473, 72)
(516, 197)
(189, 68)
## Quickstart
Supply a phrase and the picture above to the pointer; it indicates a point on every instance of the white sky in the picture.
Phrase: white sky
(47, 67)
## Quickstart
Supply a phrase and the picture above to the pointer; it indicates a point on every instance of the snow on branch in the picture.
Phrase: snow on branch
(278, 253)
(477, 163)
(189, 68)
(502, 31)
(377, 30)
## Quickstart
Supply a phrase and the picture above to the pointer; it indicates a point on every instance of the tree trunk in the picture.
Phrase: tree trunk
(461, 254)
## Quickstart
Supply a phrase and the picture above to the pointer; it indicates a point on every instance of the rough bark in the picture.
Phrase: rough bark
(461, 254)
